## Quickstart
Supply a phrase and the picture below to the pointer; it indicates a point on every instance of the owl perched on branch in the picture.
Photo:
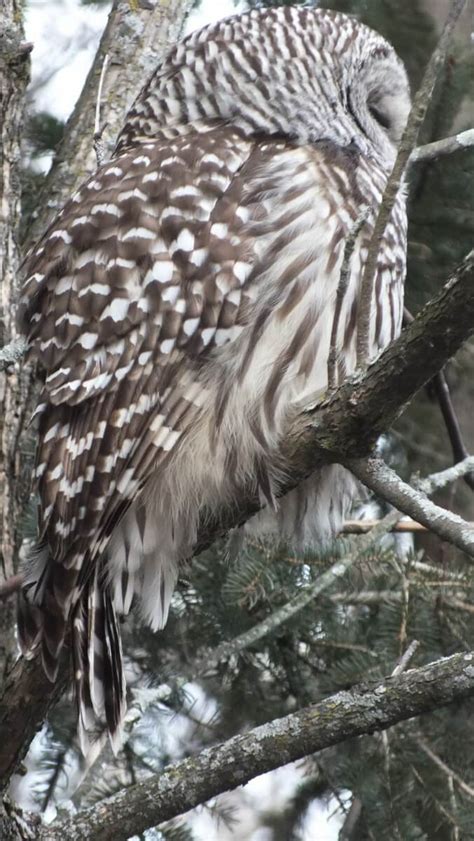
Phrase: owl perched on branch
(182, 304)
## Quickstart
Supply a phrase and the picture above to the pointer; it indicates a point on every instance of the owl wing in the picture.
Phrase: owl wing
(147, 270)
(134, 284)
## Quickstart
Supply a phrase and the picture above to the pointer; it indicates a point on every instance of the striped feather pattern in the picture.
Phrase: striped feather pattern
(181, 305)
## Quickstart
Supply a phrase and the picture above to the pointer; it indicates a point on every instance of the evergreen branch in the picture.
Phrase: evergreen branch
(209, 660)
(469, 790)
(184, 785)
(431, 151)
(406, 148)
(380, 478)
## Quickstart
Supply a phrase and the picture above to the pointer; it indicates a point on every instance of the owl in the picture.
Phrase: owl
(180, 308)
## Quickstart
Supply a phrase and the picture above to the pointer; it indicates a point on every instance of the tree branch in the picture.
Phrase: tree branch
(448, 146)
(380, 478)
(407, 146)
(363, 709)
(209, 660)
(14, 77)
(144, 31)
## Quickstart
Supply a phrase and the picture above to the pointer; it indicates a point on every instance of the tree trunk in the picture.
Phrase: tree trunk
(14, 77)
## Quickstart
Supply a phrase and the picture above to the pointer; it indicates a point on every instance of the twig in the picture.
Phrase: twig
(467, 789)
(374, 473)
(344, 278)
(430, 151)
(451, 422)
(405, 658)
(439, 480)
(351, 820)
(407, 145)
(363, 526)
(440, 385)
(98, 129)
(194, 780)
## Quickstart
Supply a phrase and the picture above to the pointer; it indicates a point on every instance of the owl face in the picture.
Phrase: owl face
(309, 74)
(378, 99)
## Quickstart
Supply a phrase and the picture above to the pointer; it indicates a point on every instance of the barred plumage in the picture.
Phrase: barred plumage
(182, 303)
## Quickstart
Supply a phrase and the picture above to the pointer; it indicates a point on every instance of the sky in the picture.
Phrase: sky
(75, 31)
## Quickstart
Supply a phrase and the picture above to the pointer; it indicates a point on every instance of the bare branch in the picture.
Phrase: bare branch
(431, 151)
(363, 709)
(405, 658)
(438, 481)
(469, 790)
(407, 146)
(98, 129)
(374, 473)
(344, 278)
(363, 526)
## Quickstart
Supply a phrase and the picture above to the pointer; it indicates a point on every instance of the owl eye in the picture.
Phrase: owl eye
(381, 118)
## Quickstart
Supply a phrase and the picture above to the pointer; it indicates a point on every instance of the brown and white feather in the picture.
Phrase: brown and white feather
(181, 305)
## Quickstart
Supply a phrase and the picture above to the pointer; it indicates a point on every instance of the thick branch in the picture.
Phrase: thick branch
(136, 37)
(361, 710)
(14, 76)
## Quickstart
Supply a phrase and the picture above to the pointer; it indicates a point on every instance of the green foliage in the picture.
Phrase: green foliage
(43, 132)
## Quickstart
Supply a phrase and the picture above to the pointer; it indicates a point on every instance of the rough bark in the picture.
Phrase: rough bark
(362, 709)
(14, 76)
(349, 422)
(136, 37)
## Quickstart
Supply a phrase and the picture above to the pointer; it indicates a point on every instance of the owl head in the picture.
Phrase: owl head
(310, 75)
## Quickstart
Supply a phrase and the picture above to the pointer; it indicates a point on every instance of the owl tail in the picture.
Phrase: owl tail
(44, 607)
(98, 669)
(47, 609)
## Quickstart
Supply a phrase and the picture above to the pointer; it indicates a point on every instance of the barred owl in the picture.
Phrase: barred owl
(181, 305)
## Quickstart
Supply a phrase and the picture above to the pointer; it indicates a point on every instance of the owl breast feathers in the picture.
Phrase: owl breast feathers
(182, 304)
